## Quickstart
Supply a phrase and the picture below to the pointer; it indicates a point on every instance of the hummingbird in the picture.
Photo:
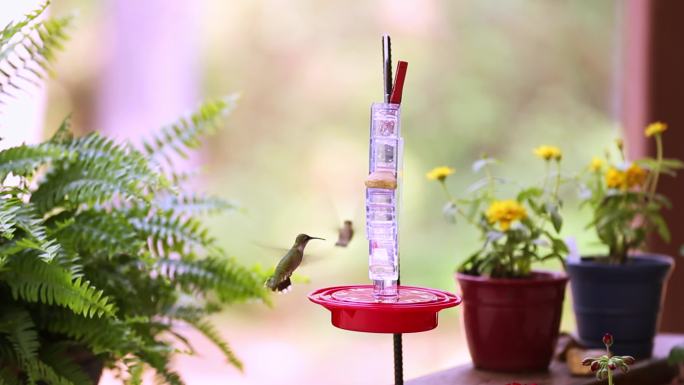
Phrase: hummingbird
(280, 280)
(345, 235)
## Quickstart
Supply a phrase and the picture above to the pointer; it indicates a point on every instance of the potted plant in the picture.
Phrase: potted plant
(622, 289)
(102, 254)
(511, 312)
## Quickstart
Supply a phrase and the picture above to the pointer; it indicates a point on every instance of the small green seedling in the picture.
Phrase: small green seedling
(605, 365)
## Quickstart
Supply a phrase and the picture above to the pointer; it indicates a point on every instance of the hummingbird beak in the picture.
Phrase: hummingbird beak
(322, 239)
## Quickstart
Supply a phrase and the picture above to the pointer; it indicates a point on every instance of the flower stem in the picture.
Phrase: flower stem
(659, 161)
(446, 191)
(457, 206)
(546, 175)
(490, 183)
(558, 181)
(610, 377)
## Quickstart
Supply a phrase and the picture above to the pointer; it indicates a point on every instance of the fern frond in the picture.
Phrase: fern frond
(20, 331)
(101, 335)
(94, 231)
(13, 28)
(187, 131)
(135, 368)
(167, 376)
(34, 280)
(169, 232)
(63, 134)
(158, 358)
(18, 216)
(193, 204)
(209, 331)
(55, 356)
(78, 185)
(95, 150)
(100, 171)
(23, 160)
(224, 277)
(9, 210)
(28, 58)
(40, 372)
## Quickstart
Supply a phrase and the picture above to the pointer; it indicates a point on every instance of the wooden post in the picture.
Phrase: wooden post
(653, 90)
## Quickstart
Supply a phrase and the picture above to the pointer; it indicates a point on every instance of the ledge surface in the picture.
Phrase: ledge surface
(653, 371)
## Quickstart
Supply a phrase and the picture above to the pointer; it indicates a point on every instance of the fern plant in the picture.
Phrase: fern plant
(27, 48)
(102, 253)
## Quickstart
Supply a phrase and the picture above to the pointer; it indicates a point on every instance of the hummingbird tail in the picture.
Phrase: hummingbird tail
(272, 284)
(341, 243)
(283, 285)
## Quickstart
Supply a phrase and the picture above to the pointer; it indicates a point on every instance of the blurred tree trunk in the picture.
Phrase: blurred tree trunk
(653, 90)
(151, 72)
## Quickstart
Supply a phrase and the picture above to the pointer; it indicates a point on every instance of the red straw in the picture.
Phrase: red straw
(398, 89)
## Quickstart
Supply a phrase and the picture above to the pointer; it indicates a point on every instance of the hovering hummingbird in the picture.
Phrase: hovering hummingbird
(280, 280)
(345, 235)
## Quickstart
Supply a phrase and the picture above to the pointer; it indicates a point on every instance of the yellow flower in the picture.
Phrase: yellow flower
(616, 178)
(439, 173)
(596, 164)
(655, 128)
(505, 212)
(635, 176)
(548, 152)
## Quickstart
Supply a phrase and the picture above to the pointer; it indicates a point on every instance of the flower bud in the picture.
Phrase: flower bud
(602, 374)
(612, 366)
(629, 360)
(624, 368)
(595, 366)
(587, 361)
(608, 339)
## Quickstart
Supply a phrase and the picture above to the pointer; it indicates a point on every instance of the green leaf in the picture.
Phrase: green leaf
(554, 214)
(676, 356)
(661, 227)
(559, 246)
(529, 193)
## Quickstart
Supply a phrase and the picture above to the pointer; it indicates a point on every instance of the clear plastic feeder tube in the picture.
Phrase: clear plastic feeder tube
(382, 198)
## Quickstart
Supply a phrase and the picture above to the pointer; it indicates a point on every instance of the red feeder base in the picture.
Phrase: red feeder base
(355, 308)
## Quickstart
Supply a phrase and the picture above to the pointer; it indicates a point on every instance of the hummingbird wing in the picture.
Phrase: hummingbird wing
(345, 235)
(280, 280)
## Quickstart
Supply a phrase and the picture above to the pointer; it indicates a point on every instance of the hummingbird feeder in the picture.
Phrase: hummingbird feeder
(385, 306)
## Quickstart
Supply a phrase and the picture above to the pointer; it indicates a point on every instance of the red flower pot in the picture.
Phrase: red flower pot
(512, 324)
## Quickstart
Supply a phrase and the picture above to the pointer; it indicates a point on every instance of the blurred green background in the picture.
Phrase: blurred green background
(485, 76)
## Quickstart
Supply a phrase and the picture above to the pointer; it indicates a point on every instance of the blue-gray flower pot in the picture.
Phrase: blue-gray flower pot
(623, 300)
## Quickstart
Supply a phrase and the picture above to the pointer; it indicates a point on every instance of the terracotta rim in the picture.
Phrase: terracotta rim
(539, 277)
